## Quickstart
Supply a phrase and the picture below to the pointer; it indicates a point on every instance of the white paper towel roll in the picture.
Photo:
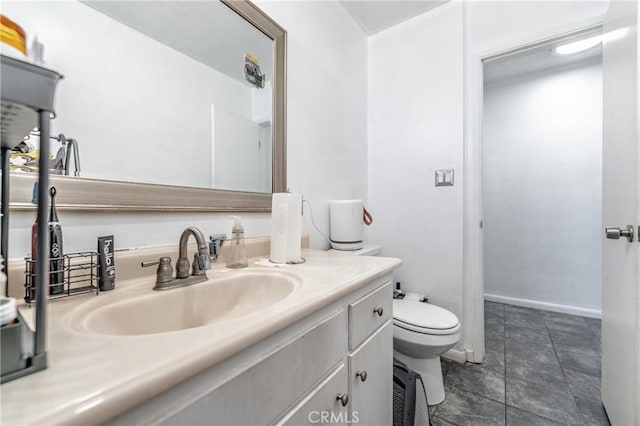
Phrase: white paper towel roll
(279, 217)
(294, 227)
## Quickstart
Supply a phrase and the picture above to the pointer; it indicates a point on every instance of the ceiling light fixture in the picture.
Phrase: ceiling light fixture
(579, 46)
(588, 43)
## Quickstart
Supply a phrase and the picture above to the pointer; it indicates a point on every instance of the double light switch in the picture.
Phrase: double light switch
(444, 177)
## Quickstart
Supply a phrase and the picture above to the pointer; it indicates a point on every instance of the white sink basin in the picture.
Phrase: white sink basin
(218, 299)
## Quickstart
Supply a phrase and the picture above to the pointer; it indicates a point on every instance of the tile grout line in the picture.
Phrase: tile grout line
(573, 397)
(505, 374)
(537, 415)
(582, 354)
(469, 392)
(504, 368)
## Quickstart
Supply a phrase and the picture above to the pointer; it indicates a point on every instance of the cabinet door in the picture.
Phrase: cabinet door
(265, 391)
(371, 379)
(322, 405)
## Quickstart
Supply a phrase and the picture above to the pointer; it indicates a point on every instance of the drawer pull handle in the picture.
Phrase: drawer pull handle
(362, 374)
(379, 311)
(344, 399)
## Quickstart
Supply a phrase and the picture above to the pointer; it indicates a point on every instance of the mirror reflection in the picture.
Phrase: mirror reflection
(171, 92)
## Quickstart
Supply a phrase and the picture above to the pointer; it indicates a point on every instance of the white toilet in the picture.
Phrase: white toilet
(421, 333)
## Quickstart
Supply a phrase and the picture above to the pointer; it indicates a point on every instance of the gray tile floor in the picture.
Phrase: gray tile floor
(541, 368)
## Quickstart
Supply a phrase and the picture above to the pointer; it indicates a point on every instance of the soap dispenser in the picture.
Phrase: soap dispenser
(237, 253)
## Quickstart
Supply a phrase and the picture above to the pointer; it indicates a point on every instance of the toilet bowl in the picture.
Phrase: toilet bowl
(421, 333)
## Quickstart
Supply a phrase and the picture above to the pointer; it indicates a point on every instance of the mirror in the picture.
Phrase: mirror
(174, 105)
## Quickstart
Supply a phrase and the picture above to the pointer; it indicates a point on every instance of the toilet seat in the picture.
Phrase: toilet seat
(424, 318)
(429, 331)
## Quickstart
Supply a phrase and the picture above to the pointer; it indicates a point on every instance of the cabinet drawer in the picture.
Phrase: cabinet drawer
(322, 405)
(265, 391)
(369, 313)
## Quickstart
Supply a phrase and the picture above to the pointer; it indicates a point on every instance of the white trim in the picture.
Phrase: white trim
(555, 307)
(456, 355)
(472, 258)
(473, 357)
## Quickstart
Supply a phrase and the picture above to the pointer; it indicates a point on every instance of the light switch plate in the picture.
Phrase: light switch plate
(444, 177)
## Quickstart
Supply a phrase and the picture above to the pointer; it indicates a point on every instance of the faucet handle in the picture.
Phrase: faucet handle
(164, 272)
(215, 245)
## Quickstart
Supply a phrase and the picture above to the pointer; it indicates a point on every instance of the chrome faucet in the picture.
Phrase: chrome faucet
(61, 163)
(201, 261)
(72, 145)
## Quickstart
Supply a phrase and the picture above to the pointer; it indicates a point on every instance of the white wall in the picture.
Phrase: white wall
(415, 127)
(237, 163)
(326, 144)
(542, 187)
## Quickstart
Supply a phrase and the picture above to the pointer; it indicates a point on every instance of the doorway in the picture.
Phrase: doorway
(542, 176)
(542, 224)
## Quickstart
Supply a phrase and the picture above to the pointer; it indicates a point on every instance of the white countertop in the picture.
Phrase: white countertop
(94, 377)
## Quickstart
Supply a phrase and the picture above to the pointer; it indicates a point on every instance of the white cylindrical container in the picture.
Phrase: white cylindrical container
(279, 227)
(294, 228)
(347, 227)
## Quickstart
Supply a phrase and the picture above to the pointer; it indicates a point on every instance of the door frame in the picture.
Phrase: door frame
(473, 238)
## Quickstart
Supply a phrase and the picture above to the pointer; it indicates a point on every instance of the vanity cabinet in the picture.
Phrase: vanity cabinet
(369, 370)
(333, 367)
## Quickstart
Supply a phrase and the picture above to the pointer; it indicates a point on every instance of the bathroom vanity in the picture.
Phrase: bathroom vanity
(301, 344)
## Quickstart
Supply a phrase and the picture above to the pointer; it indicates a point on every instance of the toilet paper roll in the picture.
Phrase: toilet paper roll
(294, 227)
(279, 227)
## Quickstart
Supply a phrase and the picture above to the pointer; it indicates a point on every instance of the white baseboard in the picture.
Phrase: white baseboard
(565, 309)
(456, 355)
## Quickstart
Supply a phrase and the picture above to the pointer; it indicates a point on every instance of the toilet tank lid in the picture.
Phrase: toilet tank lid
(423, 315)
(366, 250)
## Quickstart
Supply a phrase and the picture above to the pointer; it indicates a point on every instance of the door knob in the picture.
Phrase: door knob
(614, 233)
